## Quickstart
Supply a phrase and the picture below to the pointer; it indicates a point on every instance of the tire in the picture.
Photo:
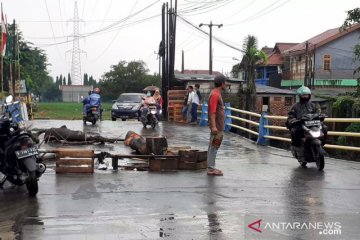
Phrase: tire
(93, 121)
(153, 125)
(320, 163)
(113, 119)
(123, 119)
(32, 184)
(303, 164)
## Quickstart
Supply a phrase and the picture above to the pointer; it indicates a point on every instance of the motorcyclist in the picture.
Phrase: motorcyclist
(159, 102)
(86, 103)
(94, 100)
(298, 110)
(148, 100)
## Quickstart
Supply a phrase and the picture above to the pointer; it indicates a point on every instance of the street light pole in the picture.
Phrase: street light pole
(210, 44)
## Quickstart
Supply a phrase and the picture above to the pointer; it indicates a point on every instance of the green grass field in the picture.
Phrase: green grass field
(66, 111)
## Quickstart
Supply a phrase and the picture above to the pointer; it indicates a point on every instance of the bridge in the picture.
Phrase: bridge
(264, 194)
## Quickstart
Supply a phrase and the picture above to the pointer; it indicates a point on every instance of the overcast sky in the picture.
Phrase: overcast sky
(44, 23)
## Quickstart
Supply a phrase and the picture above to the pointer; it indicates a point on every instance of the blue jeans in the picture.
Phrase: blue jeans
(185, 111)
(194, 108)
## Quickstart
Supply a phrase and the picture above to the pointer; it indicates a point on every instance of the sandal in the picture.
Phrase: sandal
(214, 172)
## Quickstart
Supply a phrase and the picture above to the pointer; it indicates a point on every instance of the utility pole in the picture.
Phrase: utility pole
(306, 77)
(14, 60)
(210, 44)
(182, 62)
(171, 40)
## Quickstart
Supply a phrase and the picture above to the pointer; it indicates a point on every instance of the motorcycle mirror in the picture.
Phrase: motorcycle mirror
(9, 99)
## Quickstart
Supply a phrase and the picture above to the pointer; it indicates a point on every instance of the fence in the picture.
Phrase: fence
(263, 133)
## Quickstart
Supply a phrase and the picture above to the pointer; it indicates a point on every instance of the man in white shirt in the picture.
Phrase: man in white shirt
(194, 102)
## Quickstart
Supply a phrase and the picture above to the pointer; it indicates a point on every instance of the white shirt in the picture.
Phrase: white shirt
(193, 98)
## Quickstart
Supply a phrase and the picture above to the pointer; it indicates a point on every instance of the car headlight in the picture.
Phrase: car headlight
(114, 107)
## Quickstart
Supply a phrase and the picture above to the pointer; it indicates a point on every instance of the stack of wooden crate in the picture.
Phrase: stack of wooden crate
(175, 105)
(192, 160)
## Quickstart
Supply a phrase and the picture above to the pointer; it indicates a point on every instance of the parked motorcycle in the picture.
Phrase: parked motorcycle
(19, 157)
(149, 116)
(93, 115)
(311, 149)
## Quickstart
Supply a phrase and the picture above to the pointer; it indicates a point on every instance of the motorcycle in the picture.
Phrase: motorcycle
(19, 157)
(149, 116)
(92, 115)
(311, 149)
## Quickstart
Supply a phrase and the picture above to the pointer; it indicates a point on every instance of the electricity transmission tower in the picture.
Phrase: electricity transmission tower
(76, 77)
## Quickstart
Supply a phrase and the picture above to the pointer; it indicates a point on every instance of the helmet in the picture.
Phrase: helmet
(303, 91)
(96, 90)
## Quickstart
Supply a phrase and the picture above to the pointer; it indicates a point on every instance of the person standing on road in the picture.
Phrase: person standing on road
(216, 117)
(194, 101)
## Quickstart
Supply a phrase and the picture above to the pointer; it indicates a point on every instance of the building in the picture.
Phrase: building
(74, 93)
(275, 101)
(205, 81)
(330, 62)
(270, 74)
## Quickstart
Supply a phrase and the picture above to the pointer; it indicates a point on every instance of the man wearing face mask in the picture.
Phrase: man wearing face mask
(298, 110)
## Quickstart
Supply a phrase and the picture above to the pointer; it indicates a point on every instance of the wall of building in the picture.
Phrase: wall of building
(342, 54)
(206, 86)
(75, 93)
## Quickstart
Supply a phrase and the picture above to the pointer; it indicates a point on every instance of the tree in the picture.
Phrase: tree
(251, 57)
(92, 81)
(69, 79)
(86, 79)
(353, 17)
(64, 81)
(126, 77)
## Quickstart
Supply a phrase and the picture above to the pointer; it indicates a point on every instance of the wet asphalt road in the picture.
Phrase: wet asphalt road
(259, 183)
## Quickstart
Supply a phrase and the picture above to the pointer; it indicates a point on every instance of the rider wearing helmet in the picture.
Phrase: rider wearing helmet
(94, 100)
(298, 110)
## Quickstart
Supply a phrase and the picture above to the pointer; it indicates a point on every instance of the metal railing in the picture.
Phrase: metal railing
(263, 126)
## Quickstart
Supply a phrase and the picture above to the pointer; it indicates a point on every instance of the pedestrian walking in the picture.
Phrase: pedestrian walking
(216, 118)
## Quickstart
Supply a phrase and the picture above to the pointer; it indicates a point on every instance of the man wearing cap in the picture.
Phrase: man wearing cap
(216, 117)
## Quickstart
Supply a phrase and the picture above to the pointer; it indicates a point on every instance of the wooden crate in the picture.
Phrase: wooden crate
(163, 164)
(192, 165)
(74, 160)
(75, 165)
(192, 155)
(74, 152)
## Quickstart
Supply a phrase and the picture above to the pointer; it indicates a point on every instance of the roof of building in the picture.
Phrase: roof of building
(262, 89)
(275, 57)
(187, 71)
(282, 47)
(322, 39)
(200, 77)
(267, 50)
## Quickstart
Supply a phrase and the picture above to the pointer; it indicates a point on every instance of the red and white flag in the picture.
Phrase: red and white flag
(3, 33)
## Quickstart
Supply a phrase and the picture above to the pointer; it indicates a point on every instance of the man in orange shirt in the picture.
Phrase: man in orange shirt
(216, 117)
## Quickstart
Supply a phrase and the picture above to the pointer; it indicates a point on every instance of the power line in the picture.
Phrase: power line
(117, 33)
(52, 29)
(113, 26)
(261, 13)
(217, 39)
